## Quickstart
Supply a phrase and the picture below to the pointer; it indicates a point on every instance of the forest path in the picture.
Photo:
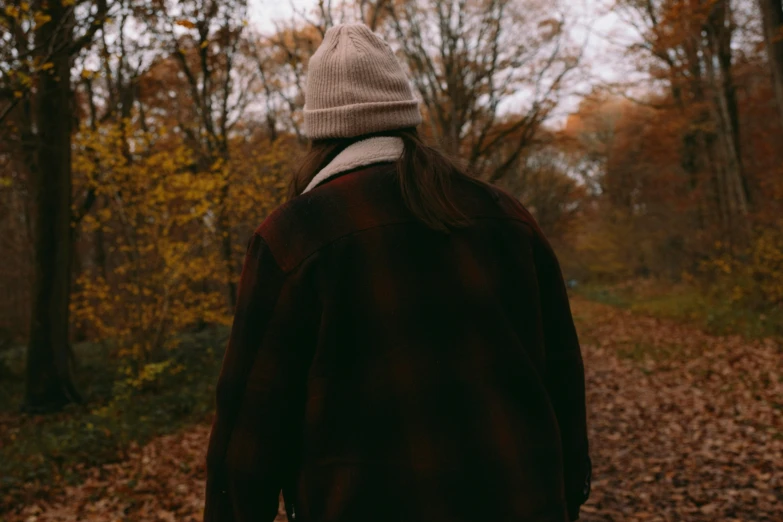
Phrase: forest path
(683, 426)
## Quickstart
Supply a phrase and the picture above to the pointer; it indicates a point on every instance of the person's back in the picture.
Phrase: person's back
(382, 368)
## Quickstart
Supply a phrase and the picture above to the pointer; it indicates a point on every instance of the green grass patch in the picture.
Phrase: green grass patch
(713, 313)
(604, 294)
(679, 303)
(178, 390)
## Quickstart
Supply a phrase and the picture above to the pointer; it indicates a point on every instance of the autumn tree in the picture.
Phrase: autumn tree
(641, 205)
(107, 91)
(547, 178)
(203, 40)
(687, 45)
(772, 18)
(281, 58)
(476, 63)
(168, 257)
(685, 176)
(43, 38)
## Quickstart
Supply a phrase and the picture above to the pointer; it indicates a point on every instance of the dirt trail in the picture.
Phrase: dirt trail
(684, 426)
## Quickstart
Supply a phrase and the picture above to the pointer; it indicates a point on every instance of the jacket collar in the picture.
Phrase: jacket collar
(360, 154)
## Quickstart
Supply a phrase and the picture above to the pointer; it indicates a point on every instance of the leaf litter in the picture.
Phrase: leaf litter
(683, 426)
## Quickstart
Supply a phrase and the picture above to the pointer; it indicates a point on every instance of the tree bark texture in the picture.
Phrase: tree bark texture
(49, 383)
(772, 16)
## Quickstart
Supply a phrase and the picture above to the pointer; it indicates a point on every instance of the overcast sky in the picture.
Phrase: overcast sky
(264, 12)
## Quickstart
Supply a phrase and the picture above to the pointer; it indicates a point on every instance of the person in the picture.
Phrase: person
(403, 348)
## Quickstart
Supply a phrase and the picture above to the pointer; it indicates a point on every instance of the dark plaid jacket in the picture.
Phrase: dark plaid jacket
(379, 371)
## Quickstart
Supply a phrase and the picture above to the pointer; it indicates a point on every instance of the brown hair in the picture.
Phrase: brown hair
(424, 174)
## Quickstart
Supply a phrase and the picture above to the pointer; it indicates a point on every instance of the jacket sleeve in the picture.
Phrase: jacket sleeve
(564, 376)
(249, 458)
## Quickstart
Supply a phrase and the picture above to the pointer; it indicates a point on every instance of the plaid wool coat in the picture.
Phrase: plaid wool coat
(380, 371)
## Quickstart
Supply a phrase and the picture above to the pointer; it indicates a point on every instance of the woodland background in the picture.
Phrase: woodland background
(141, 142)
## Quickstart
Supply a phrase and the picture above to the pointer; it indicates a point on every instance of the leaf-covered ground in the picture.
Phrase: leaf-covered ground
(684, 426)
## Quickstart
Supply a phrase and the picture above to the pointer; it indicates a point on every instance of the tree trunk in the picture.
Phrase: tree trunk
(224, 229)
(772, 15)
(99, 254)
(727, 96)
(725, 114)
(229, 260)
(49, 383)
(79, 334)
(704, 175)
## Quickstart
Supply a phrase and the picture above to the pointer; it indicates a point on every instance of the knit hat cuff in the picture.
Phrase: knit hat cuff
(358, 119)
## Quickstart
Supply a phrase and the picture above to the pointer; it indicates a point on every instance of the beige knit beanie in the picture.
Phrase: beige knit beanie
(355, 86)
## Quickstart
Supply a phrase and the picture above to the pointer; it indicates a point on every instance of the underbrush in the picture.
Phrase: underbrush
(122, 407)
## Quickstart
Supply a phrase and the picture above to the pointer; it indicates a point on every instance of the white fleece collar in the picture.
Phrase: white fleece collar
(360, 154)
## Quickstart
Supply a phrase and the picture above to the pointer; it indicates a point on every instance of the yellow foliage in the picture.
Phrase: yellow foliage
(167, 270)
(41, 19)
(753, 275)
